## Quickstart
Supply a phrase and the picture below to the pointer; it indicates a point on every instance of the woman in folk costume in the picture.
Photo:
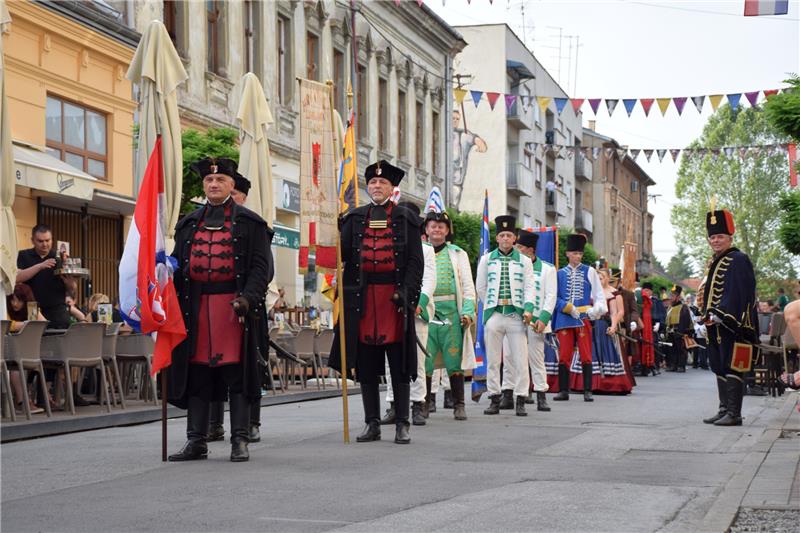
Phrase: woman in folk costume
(608, 370)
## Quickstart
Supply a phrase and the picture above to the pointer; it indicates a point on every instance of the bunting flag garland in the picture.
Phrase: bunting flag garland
(594, 103)
(560, 103)
(611, 104)
(646, 104)
(635, 153)
(459, 95)
(698, 103)
(492, 97)
(595, 153)
(733, 100)
(609, 152)
(752, 97)
(510, 101)
(661, 153)
(674, 152)
(648, 153)
(629, 104)
(622, 152)
(663, 105)
(680, 101)
(770, 92)
(476, 97)
(576, 104)
(715, 100)
(544, 103)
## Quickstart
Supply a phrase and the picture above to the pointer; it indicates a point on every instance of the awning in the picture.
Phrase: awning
(39, 170)
(518, 69)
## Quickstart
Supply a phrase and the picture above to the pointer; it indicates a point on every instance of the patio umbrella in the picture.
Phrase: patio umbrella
(158, 70)
(254, 118)
(8, 224)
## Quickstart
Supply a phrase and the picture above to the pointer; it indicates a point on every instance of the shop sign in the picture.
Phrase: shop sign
(286, 238)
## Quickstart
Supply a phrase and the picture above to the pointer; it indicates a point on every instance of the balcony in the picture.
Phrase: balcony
(519, 117)
(556, 203)
(583, 221)
(583, 167)
(550, 136)
(520, 180)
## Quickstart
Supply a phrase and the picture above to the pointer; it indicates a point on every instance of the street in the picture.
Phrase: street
(644, 462)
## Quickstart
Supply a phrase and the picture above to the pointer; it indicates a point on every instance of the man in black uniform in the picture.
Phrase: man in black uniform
(679, 326)
(224, 264)
(730, 314)
(383, 266)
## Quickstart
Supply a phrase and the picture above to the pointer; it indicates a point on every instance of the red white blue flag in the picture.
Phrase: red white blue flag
(148, 301)
(754, 8)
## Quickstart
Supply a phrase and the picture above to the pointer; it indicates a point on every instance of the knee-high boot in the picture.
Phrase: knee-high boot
(427, 409)
(587, 382)
(372, 405)
(457, 389)
(240, 427)
(735, 390)
(402, 391)
(216, 429)
(255, 421)
(196, 432)
(722, 392)
(563, 384)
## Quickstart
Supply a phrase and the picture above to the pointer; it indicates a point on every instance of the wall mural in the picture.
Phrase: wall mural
(464, 141)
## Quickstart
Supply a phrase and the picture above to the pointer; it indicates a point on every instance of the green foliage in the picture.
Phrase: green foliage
(467, 234)
(216, 142)
(789, 231)
(680, 266)
(749, 188)
(658, 284)
(783, 110)
(590, 255)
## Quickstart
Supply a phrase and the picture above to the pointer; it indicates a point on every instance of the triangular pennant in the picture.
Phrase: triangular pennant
(688, 154)
(715, 153)
(629, 104)
(742, 152)
(728, 151)
(544, 103)
(594, 103)
(570, 151)
(459, 95)
(661, 153)
(715, 99)
(680, 101)
(562, 152)
(511, 99)
(698, 102)
(635, 153)
(560, 104)
(587, 152)
(702, 152)
(609, 152)
(476, 97)
(733, 100)
(646, 104)
(770, 92)
(663, 105)
(752, 97)
(492, 97)
(622, 152)
(595, 153)
(648, 153)
(611, 104)
(675, 152)
(577, 103)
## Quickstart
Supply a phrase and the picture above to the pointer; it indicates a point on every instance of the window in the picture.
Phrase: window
(537, 116)
(215, 18)
(435, 143)
(339, 84)
(634, 185)
(77, 135)
(361, 124)
(383, 114)
(419, 153)
(570, 191)
(402, 149)
(252, 37)
(538, 174)
(312, 56)
(173, 20)
(283, 35)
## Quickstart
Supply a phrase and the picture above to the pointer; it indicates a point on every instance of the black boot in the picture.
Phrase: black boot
(417, 417)
(432, 403)
(722, 392)
(507, 402)
(735, 390)
(240, 427)
(255, 422)
(541, 402)
(529, 398)
(494, 406)
(520, 409)
(448, 398)
(216, 429)
(683, 357)
(388, 418)
(196, 432)
(430, 399)
(587, 382)
(563, 384)
(457, 388)
(372, 406)
(401, 401)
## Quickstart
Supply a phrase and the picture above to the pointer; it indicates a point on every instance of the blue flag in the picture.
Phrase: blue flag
(546, 245)
(479, 372)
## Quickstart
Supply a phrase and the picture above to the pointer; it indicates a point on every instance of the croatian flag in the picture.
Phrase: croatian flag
(754, 8)
(479, 373)
(435, 202)
(148, 301)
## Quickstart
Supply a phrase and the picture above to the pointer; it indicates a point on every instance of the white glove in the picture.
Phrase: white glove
(592, 314)
(714, 318)
(656, 327)
(633, 326)
(575, 313)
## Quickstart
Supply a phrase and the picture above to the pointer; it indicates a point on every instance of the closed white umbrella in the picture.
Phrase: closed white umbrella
(8, 224)
(254, 118)
(158, 70)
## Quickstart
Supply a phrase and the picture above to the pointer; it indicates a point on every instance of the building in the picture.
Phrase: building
(72, 121)
(501, 149)
(404, 59)
(618, 201)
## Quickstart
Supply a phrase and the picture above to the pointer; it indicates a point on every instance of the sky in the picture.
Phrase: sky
(653, 49)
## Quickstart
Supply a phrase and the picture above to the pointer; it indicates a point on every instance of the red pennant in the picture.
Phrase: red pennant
(770, 92)
(752, 97)
(646, 104)
(594, 103)
(576, 104)
(492, 97)
(792, 148)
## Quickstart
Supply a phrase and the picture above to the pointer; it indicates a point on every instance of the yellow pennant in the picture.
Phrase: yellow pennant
(544, 102)
(663, 105)
(715, 100)
(459, 95)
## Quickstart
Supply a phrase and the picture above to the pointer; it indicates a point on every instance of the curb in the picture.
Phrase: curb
(723, 512)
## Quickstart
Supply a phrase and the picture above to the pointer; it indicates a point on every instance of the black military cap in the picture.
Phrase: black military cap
(647, 285)
(433, 216)
(719, 222)
(241, 184)
(616, 273)
(382, 169)
(505, 223)
(576, 242)
(527, 238)
(676, 290)
(215, 165)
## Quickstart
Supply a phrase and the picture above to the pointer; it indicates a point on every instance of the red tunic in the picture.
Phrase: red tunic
(381, 321)
(219, 332)
(648, 353)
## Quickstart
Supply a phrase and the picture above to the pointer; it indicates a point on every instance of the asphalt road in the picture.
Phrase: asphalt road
(643, 462)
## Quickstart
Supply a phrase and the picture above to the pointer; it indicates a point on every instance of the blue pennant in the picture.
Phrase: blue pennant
(629, 104)
(560, 103)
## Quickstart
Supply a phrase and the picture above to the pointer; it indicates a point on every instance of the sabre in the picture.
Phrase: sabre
(421, 347)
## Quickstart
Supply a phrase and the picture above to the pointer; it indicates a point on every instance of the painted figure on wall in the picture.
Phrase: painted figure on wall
(463, 143)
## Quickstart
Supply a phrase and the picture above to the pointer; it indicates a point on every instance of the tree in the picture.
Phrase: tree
(750, 188)
(783, 110)
(590, 255)
(789, 232)
(467, 234)
(679, 266)
(216, 142)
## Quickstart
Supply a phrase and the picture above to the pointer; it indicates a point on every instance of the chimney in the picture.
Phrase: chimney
(592, 125)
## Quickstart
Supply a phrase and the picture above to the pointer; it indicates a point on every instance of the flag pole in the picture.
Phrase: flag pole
(163, 415)
(340, 297)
